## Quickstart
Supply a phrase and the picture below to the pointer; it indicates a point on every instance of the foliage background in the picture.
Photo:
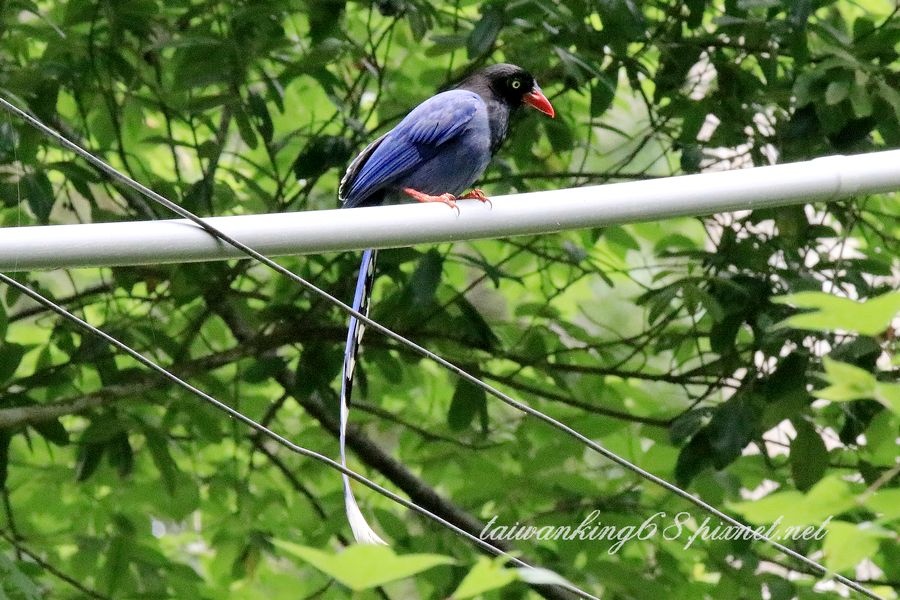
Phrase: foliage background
(666, 342)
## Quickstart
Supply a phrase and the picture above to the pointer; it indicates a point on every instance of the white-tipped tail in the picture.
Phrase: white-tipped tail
(362, 531)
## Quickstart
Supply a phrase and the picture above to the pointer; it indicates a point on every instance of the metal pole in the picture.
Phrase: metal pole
(177, 241)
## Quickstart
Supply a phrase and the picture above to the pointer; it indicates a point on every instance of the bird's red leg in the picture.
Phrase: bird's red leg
(476, 194)
(448, 199)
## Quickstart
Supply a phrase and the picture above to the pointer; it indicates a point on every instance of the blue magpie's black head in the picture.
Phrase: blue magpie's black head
(509, 84)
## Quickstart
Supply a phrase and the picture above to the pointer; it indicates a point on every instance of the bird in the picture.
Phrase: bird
(437, 151)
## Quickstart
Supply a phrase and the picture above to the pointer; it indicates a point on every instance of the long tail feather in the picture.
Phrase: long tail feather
(361, 530)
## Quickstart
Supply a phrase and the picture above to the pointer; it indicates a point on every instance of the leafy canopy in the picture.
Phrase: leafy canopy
(751, 357)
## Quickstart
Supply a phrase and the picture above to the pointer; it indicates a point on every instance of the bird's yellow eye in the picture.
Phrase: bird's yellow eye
(516, 84)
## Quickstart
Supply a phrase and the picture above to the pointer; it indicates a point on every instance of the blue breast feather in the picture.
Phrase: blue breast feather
(417, 139)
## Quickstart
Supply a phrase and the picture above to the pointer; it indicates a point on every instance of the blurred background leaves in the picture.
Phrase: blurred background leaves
(750, 356)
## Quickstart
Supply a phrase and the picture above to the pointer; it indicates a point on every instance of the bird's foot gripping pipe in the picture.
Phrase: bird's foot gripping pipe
(448, 199)
(476, 194)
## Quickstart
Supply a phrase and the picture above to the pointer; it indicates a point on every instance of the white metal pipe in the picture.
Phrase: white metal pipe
(176, 241)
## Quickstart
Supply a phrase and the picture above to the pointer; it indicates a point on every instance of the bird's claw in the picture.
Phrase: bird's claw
(477, 194)
(448, 199)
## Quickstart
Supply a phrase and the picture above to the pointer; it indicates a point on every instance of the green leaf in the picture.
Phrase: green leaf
(689, 423)
(885, 503)
(848, 544)
(828, 498)
(364, 566)
(426, 278)
(785, 389)
(474, 326)
(881, 439)
(693, 458)
(620, 237)
(52, 431)
(117, 560)
(468, 401)
(322, 153)
(559, 133)
(622, 19)
(444, 44)
(10, 357)
(185, 499)
(14, 584)
(263, 369)
(487, 574)
(603, 92)
(809, 457)
(103, 428)
(120, 454)
(731, 429)
(158, 445)
(695, 297)
(889, 395)
(836, 92)
(833, 312)
(73, 170)
(199, 62)
(314, 369)
(89, 457)
(890, 95)
(860, 101)
(418, 24)
(485, 32)
(848, 382)
(245, 128)
(261, 116)
(695, 11)
(724, 332)
(38, 193)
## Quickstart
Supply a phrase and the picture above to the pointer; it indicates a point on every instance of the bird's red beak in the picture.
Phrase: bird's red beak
(536, 99)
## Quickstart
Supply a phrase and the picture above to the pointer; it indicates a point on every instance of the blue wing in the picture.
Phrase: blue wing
(414, 141)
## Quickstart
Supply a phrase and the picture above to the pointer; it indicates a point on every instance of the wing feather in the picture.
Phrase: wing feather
(414, 141)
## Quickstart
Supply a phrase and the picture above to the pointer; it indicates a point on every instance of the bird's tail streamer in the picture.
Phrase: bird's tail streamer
(362, 531)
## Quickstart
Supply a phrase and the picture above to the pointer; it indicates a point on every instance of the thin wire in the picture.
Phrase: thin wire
(126, 180)
(150, 364)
